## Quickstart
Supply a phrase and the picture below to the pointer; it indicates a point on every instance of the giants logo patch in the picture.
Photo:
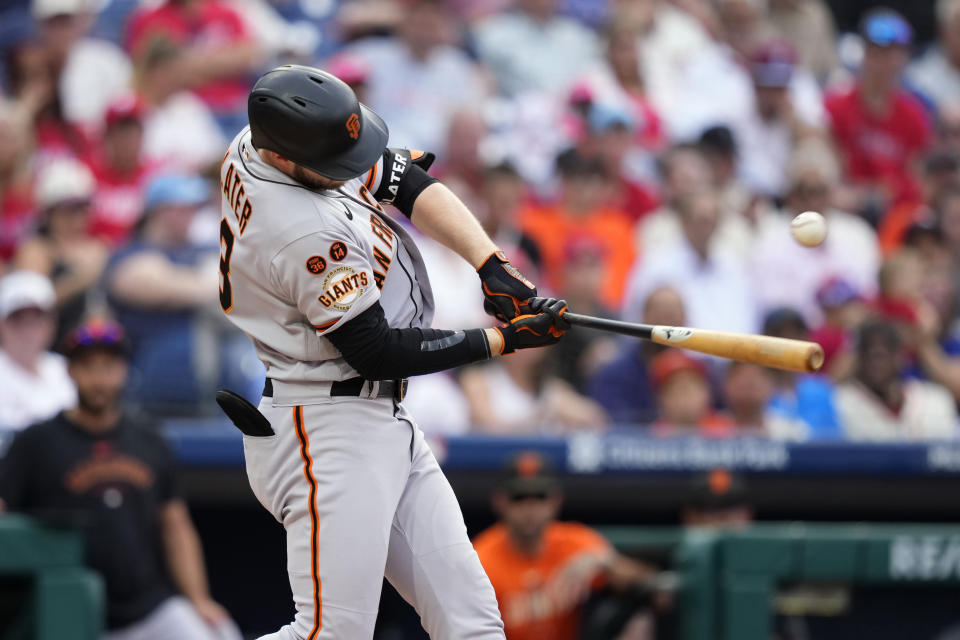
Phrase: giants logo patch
(342, 287)
(353, 126)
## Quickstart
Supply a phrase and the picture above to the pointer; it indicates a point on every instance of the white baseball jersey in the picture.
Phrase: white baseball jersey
(296, 264)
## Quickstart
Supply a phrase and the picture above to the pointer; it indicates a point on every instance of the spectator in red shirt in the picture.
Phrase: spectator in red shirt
(684, 398)
(121, 172)
(218, 43)
(32, 78)
(881, 129)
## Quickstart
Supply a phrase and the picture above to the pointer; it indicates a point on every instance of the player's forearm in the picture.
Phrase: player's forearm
(184, 555)
(441, 215)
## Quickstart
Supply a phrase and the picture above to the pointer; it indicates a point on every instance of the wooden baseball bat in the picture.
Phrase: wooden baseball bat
(779, 353)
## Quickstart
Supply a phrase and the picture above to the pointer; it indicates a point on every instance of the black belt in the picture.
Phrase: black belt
(395, 389)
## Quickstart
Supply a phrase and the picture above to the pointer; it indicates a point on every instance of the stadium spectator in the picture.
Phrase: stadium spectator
(742, 212)
(219, 52)
(684, 169)
(807, 398)
(608, 137)
(936, 74)
(543, 570)
(90, 72)
(747, 391)
(880, 128)
(16, 189)
(879, 404)
(843, 310)
(580, 354)
(683, 398)
(717, 500)
(35, 382)
(809, 26)
(717, 88)
(900, 299)
(101, 469)
(623, 386)
(849, 250)
(580, 211)
(947, 215)
(418, 79)
(461, 163)
(767, 132)
(522, 396)
(534, 49)
(179, 132)
(159, 286)
(504, 193)
(670, 38)
(31, 80)
(948, 126)
(940, 173)
(617, 81)
(712, 280)
(122, 173)
(63, 250)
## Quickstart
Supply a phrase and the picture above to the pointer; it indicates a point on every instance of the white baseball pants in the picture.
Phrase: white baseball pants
(361, 497)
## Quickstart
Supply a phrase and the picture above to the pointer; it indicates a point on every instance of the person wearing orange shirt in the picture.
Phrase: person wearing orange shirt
(543, 570)
(581, 213)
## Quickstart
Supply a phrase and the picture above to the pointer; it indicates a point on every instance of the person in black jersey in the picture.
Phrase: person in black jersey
(112, 474)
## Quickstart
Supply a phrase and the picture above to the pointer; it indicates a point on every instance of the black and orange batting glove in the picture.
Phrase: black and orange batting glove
(505, 290)
(543, 327)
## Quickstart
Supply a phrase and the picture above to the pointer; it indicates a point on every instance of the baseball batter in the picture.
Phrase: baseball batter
(335, 296)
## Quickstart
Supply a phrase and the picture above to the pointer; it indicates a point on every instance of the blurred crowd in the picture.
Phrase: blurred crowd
(640, 158)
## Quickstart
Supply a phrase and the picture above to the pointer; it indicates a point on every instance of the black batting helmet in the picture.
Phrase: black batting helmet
(315, 120)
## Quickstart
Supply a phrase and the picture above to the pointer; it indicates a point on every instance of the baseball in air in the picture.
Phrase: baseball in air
(809, 228)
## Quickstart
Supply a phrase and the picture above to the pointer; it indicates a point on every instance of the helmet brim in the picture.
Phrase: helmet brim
(362, 155)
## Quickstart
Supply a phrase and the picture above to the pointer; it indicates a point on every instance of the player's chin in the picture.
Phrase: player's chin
(314, 180)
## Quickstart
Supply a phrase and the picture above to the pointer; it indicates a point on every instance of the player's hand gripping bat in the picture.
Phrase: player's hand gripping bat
(779, 353)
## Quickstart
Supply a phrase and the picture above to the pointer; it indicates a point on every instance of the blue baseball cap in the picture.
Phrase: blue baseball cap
(603, 117)
(176, 190)
(885, 28)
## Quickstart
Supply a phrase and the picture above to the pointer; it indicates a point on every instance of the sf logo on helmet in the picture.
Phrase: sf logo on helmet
(353, 126)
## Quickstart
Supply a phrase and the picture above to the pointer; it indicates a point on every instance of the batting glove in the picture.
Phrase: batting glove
(543, 327)
(505, 290)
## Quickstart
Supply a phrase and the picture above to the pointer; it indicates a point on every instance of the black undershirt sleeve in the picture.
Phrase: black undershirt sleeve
(379, 352)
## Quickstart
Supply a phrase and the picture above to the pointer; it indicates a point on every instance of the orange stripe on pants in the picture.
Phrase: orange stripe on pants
(308, 472)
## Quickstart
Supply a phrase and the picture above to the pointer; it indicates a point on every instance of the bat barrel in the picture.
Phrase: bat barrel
(779, 353)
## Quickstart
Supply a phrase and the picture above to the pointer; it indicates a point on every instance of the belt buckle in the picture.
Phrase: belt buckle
(400, 389)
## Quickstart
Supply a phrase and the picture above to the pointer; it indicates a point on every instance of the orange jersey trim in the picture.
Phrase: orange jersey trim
(371, 177)
(314, 519)
(326, 325)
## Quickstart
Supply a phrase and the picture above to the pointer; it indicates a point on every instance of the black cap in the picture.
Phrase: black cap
(315, 120)
(528, 473)
(718, 140)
